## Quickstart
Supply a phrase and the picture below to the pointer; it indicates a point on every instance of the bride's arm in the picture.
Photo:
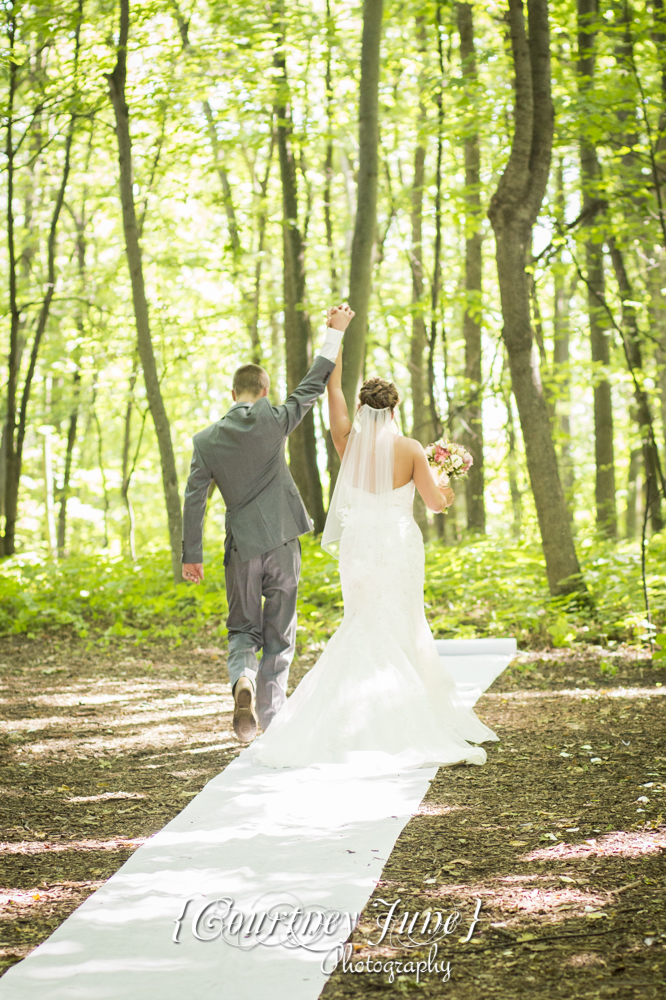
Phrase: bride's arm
(436, 498)
(338, 416)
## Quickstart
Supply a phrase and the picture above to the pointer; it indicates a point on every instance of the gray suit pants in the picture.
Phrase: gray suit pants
(272, 576)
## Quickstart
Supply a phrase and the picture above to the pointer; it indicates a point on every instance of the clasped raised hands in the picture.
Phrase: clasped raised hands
(339, 317)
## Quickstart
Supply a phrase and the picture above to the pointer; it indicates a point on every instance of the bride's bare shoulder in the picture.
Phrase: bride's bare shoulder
(407, 452)
(408, 445)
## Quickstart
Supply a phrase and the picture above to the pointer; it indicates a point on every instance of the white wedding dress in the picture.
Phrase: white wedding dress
(379, 697)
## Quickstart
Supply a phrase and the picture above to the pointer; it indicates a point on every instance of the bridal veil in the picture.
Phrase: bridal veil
(362, 498)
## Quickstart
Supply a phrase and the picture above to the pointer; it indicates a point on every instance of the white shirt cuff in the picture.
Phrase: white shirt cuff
(329, 349)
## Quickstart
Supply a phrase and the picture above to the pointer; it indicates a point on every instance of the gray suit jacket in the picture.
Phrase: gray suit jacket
(244, 453)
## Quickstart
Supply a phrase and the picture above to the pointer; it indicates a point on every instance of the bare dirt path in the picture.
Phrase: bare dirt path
(560, 836)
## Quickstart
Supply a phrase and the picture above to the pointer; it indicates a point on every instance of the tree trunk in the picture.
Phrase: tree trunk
(332, 457)
(513, 212)
(365, 226)
(657, 317)
(249, 302)
(328, 162)
(561, 364)
(117, 80)
(126, 470)
(69, 458)
(17, 429)
(48, 471)
(3, 468)
(473, 434)
(100, 463)
(632, 348)
(512, 462)
(561, 355)
(631, 519)
(659, 39)
(80, 225)
(590, 175)
(297, 332)
(11, 460)
(435, 285)
(9, 453)
(259, 260)
(421, 424)
(227, 199)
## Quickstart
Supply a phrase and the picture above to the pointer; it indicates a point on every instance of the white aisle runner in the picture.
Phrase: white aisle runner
(254, 841)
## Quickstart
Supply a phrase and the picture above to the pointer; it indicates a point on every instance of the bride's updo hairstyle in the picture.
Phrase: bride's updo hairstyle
(378, 393)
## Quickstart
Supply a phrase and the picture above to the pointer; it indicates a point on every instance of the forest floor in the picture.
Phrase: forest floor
(560, 836)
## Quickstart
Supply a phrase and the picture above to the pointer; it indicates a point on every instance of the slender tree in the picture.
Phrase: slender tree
(419, 338)
(8, 449)
(47, 432)
(421, 425)
(79, 221)
(17, 416)
(297, 330)
(658, 161)
(117, 83)
(332, 457)
(590, 173)
(563, 291)
(513, 211)
(634, 355)
(127, 470)
(631, 518)
(473, 432)
(365, 226)
(328, 161)
(436, 281)
(262, 219)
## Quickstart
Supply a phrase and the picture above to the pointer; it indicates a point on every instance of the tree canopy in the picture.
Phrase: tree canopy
(222, 161)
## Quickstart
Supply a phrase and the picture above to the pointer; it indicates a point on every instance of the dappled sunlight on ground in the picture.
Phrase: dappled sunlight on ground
(583, 693)
(41, 847)
(106, 797)
(104, 750)
(619, 844)
(435, 809)
(548, 841)
(585, 959)
(97, 752)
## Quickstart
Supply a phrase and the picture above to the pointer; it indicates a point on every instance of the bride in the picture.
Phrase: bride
(379, 696)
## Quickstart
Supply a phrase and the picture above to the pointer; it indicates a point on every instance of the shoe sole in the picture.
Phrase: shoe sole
(245, 721)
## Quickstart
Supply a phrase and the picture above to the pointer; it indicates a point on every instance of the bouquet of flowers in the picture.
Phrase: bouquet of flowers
(448, 460)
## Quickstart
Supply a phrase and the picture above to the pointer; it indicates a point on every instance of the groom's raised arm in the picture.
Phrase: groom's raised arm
(301, 400)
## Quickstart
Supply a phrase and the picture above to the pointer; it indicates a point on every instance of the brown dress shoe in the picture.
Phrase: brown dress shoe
(245, 717)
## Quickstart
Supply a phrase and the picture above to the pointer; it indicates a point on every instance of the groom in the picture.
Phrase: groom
(243, 453)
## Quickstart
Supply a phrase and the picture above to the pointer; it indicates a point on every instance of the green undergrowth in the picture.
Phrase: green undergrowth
(483, 587)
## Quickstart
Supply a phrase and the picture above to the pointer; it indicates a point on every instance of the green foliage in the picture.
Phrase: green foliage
(490, 587)
(205, 168)
(659, 653)
(497, 586)
(105, 598)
